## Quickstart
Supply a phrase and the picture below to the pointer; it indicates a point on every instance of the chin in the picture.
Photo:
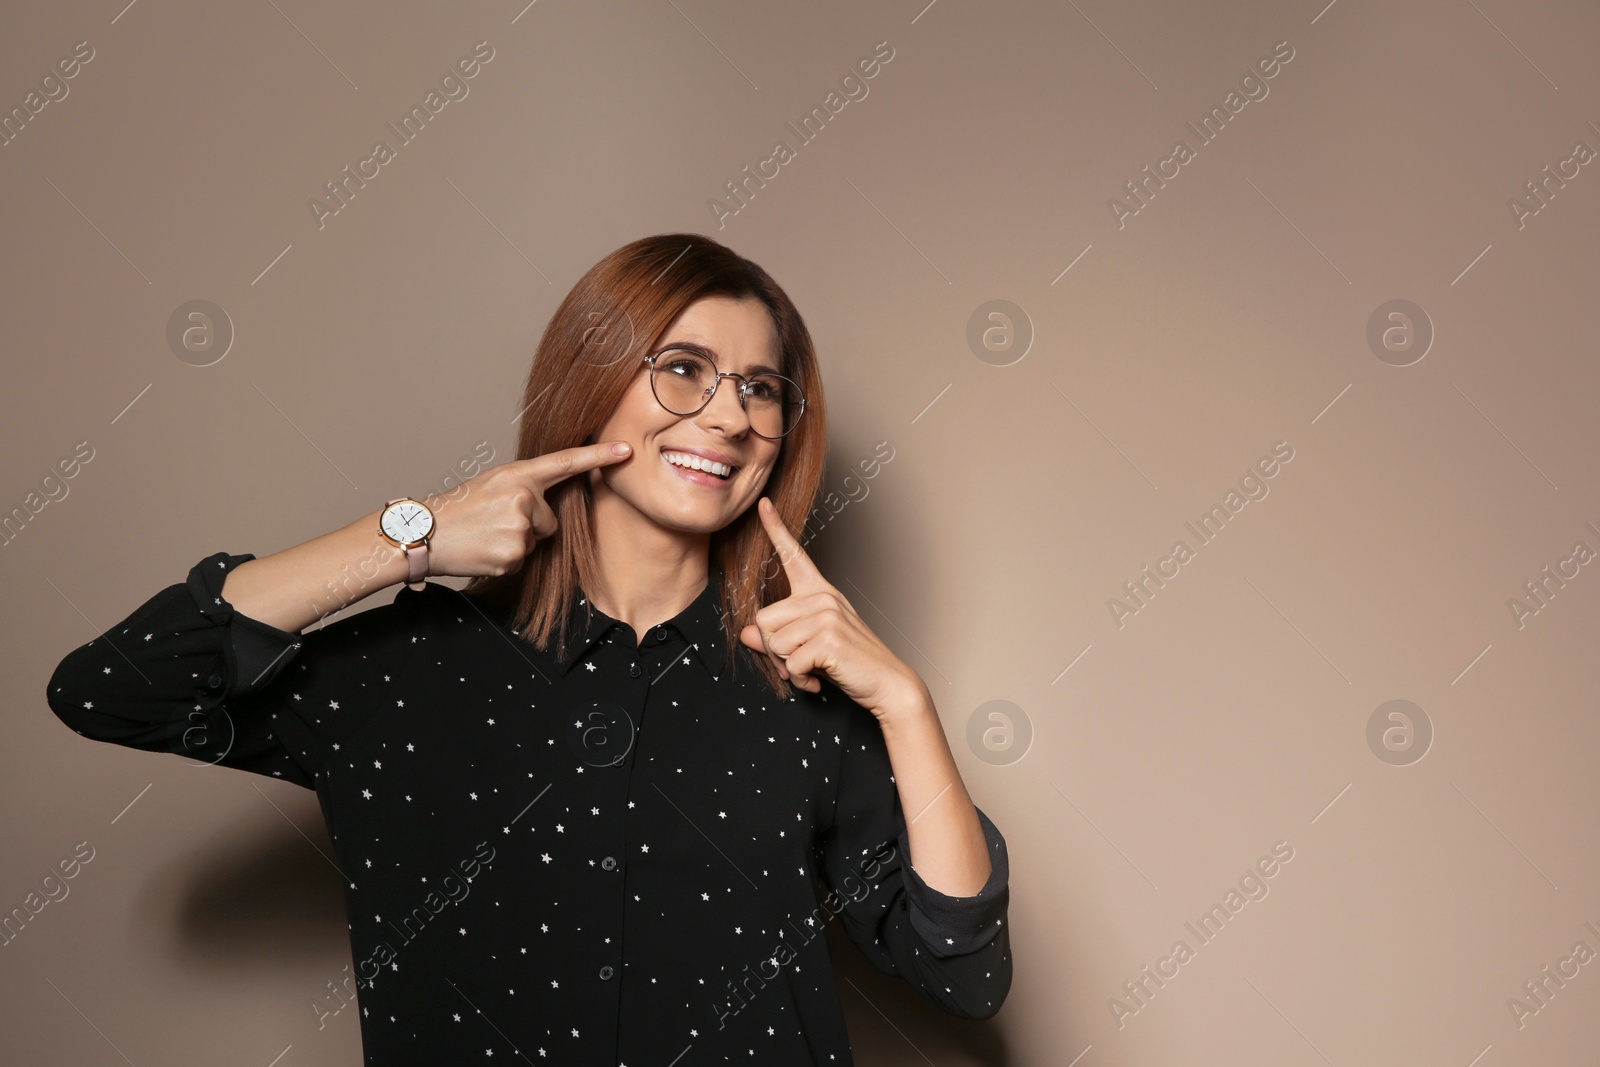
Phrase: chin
(702, 517)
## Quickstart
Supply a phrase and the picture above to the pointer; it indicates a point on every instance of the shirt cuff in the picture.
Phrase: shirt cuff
(254, 652)
(951, 925)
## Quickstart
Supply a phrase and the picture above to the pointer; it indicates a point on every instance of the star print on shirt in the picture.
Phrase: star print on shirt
(412, 676)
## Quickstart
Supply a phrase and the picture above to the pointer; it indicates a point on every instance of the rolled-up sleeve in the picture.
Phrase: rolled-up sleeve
(187, 674)
(955, 950)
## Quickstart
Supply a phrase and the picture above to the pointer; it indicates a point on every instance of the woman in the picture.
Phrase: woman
(598, 805)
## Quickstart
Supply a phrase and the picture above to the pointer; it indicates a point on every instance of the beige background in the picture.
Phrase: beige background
(1230, 314)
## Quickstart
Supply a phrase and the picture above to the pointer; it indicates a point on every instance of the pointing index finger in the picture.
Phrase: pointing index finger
(553, 467)
(791, 555)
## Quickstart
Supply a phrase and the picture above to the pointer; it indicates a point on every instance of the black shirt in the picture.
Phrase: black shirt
(617, 857)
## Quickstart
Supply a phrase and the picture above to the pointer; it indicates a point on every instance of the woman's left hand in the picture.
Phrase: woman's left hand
(815, 630)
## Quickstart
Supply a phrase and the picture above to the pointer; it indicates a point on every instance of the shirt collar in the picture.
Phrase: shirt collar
(698, 626)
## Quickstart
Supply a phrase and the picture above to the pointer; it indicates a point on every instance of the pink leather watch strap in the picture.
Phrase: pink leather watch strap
(417, 562)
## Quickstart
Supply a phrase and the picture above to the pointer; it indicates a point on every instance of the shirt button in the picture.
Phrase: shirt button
(661, 633)
(214, 682)
(605, 973)
(635, 670)
(609, 863)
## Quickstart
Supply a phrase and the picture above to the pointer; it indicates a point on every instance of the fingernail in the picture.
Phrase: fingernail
(621, 448)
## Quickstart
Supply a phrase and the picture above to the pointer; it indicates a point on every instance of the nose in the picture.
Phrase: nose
(724, 409)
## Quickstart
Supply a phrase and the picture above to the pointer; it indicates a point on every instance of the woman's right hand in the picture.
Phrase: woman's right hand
(502, 516)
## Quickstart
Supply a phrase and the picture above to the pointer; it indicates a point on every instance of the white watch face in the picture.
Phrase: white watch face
(407, 522)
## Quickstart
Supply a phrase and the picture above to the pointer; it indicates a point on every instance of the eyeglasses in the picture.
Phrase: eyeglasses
(684, 382)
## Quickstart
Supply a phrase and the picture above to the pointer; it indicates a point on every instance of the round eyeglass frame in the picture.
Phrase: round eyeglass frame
(721, 374)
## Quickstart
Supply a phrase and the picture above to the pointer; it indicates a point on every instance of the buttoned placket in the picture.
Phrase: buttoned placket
(615, 787)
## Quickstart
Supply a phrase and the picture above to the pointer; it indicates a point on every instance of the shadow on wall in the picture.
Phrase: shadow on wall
(869, 996)
(250, 901)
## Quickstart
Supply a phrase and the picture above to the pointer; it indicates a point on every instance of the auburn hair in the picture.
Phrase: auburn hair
(586, 360)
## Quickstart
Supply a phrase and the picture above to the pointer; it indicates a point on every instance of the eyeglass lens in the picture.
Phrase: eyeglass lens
(682, 379)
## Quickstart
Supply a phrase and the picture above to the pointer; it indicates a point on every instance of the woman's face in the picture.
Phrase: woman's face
(740, 336)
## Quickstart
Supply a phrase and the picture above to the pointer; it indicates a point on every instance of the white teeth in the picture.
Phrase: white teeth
(687, 459)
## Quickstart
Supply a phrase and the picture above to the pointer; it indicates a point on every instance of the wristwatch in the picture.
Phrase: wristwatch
(408, 525)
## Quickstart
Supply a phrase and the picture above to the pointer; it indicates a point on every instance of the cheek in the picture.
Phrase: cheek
(636, 414)
(758, 477)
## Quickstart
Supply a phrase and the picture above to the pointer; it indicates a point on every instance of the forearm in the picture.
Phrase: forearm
(948, 847)
(293, 588)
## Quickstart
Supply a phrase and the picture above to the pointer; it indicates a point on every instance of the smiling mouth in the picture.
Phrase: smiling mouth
(698, 464)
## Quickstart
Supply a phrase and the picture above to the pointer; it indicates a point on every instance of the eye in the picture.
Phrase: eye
(682, 364)
(765, 389)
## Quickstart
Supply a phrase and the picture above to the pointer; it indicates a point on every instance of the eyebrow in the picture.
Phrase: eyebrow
(695, 346)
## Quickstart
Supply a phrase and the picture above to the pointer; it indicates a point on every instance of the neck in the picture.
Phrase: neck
(647, 574)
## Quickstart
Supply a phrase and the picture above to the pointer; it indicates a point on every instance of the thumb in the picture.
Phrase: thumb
(750, 636)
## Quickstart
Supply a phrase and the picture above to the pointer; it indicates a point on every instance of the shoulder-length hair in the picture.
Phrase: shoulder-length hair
(587, 359)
